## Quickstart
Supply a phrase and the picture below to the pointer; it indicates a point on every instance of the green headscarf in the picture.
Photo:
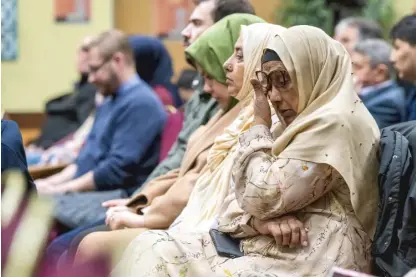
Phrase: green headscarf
(216, 45)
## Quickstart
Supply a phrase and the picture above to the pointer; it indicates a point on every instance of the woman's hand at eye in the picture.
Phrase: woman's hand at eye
(262, 112)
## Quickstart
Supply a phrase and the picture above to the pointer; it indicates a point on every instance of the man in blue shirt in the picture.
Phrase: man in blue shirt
(123, 146)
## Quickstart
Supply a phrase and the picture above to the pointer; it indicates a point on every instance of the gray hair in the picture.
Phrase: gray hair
(366, 28)
(378, 51)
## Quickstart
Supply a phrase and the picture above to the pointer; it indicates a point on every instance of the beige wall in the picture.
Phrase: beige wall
(45, 66)
(404, 7)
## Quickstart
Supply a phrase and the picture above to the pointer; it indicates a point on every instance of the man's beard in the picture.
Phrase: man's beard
(111, 86)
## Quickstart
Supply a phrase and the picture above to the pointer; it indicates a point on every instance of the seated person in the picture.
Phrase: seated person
(319, 164)
(154, 66)
(186, 84)
(123, 145)
(67, 149)
(65, 114)
(152, 61)
(164, 198)
(403, 58)
(373, 78)
(351, 30)
(12, 152)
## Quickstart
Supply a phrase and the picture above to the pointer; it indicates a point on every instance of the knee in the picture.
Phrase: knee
(91, 247)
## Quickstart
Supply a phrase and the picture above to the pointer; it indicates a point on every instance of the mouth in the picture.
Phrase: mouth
(287, 113)
(228, 80)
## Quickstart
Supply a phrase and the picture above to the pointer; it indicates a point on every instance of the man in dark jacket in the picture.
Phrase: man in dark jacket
(66, 113)
(403, 58)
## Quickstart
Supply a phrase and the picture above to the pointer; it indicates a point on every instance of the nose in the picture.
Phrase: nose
(185, 32)
(227, 65)
(91, 77)
(274, 95)
(207, 87)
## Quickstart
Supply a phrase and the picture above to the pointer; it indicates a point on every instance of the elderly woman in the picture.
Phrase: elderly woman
(320, 166)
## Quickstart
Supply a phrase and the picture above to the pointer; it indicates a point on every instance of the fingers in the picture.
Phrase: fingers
(110, 203)
(258, 89)
(286, 233)
(295, 227)
(304, 236)
(116, 209)
(276, 232)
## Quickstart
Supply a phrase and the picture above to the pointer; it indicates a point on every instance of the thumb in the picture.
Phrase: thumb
(258, 89)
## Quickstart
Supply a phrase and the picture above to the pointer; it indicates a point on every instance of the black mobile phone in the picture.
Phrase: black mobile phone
(226, 245)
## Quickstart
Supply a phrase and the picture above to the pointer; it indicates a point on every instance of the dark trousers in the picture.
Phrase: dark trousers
(64, 242)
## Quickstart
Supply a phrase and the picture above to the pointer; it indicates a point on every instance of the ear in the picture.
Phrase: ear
(382, 72)
(118, 56)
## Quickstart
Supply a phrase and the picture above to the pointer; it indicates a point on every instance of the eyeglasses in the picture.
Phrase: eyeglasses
(279, 78)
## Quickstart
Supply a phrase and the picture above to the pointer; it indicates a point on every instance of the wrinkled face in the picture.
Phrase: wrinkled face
(82, 60)
(234, 69)
(365, 74)
(101, 73)
(403, 58)
(348, 37)
(280, 90)
(199, 21)
(217, 90)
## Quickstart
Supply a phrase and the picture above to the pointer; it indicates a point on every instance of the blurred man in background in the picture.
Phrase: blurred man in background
(373, 72)
(403, 58)
(351, 30)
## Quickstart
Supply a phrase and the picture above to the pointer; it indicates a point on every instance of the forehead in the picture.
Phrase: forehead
(94, 54)
(401, 43)
(350, 31)
(203, 11)
(357, 57)
(239, 42)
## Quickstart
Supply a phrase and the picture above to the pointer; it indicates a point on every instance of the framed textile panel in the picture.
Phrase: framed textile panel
(170, 17)
(72, 11)
(9, 39)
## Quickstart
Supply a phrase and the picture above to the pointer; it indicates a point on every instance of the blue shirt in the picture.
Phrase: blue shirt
(123, 146)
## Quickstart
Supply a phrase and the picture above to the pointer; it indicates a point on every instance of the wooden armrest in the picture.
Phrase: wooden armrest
(45, 171)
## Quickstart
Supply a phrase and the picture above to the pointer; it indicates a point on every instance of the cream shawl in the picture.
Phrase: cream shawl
(333, 126)
(213, 186)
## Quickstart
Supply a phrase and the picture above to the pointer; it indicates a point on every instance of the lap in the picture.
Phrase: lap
(83, 208)
(103, 243)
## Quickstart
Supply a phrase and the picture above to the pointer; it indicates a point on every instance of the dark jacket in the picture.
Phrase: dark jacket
(65, 114)
(394, 245)
(387, 105)
(410, 89)
(12, 151)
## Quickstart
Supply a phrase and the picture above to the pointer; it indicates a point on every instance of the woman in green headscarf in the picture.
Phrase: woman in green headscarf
(172, 190)
(186, 248)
